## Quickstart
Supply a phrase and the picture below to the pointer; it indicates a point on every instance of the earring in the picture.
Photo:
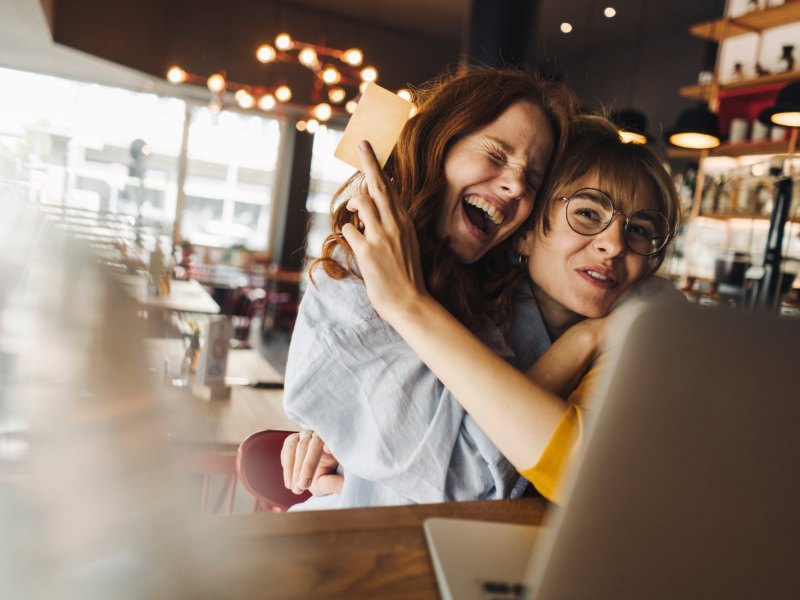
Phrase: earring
(516, 259)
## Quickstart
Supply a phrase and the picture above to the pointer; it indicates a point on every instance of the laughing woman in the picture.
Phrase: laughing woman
(599, 231)
(467, 169)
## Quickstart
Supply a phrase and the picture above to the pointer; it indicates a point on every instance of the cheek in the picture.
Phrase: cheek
(636, 267)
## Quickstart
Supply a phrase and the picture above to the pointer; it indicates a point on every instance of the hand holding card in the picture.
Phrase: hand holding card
(379, 118)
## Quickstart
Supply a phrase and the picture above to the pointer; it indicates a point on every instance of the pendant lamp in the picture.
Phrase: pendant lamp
(632, 125)
(786, 111)
(696, 128)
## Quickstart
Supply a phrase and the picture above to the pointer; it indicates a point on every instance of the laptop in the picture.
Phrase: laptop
(688, 485)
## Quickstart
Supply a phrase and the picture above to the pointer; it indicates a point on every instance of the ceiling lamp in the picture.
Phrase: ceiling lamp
(283, 93)
(176, 75)
(369, 74)
(336, 95)
(632, 125)
(353, 57)
(322, 112)
(339, 78)
(245, 99)
(283, 41)
(266, 53)
(697, 128)
(786, 111)
(216, 83)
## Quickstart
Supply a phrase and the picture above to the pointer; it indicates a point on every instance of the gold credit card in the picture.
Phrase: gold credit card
(379, 118)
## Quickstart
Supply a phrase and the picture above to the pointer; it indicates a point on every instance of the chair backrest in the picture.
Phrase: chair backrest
(213, 468)
(258, 465)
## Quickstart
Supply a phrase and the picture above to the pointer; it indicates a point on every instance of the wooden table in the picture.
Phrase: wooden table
(357, 553)
(184, 296)
(221, 424)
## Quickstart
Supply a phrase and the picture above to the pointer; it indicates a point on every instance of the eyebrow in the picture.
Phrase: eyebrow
(506, 147)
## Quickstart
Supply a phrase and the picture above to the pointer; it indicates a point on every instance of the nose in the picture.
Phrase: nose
(513, 182)
(611, 241)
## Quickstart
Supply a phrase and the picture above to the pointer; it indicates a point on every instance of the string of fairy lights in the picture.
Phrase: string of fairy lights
(340, 77)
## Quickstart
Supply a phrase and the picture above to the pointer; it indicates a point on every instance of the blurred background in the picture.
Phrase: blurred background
(168, 165)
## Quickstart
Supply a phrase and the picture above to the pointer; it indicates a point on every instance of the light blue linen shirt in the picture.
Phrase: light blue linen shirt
(398, 433)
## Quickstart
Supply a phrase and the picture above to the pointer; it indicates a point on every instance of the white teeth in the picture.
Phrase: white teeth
(494, 215)
(598, 276)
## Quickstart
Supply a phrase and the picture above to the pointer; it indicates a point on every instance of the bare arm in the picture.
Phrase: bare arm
(516, 413)
(560, 369)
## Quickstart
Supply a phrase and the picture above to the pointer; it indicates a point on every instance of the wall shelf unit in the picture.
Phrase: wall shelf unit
(704, 93)
(752, 22)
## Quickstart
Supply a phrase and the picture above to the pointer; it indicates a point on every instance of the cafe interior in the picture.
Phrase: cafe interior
(166, 176)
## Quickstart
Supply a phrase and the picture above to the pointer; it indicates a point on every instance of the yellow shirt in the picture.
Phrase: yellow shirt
(547, 474)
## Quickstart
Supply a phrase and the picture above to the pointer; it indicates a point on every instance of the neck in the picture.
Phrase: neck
(557, 318)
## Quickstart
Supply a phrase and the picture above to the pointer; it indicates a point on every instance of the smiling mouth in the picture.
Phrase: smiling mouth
(607, 280)
(482, 214)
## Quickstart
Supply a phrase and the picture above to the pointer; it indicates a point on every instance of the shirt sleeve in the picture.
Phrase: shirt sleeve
(547, 474)
(383, 413)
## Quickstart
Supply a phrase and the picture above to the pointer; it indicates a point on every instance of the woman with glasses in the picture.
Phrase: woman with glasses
(599, 231)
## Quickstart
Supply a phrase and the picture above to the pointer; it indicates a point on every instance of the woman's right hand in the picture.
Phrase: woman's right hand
(309, 465)
(387, 251)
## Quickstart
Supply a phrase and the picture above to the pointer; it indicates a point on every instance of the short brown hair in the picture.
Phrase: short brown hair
(595, 147)
(449, 108)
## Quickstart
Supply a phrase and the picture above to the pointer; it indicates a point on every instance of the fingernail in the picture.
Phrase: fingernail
(305, 483)
(363, 144)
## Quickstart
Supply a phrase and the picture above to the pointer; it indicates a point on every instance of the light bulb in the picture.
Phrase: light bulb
(609, 11)
(266, 53)
(331, 76)
(312, 125)
(322, 111)
(369, 74)
(566, 27)
(698, 141)
(351, 106)
(632, 137)
(283, 93)
(216, 83)
(176, 75)
(300, 126)
(283, 41)
(789, 118)
(405, 95)
(353, 57)
(266, 102)
(245, 99)
(336, 95)
(308, 56)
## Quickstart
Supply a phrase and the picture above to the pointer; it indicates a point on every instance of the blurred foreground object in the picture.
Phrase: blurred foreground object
(88, 506)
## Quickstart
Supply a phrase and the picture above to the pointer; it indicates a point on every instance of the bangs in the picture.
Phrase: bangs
(620, 174)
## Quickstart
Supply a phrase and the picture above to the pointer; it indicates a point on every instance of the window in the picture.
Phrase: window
(230, 179)
(327, 174)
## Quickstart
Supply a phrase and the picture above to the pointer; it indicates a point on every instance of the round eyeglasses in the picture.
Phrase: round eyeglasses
(590, 211)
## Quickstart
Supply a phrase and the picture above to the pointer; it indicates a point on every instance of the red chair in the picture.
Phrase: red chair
(258, 465)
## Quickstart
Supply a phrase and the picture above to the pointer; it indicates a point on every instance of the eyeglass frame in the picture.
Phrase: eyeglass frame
(614, 213)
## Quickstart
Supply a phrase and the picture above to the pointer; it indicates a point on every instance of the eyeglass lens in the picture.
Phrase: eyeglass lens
(590, 211)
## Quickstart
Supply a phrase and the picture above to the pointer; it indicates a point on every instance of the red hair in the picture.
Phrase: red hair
(448, 109)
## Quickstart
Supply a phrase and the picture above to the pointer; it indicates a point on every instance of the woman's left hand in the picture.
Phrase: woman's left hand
(387, 250)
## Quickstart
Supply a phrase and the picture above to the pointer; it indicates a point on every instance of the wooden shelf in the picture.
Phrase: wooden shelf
(732, 150)
(752, 22)
(750, 149)
(730, 88)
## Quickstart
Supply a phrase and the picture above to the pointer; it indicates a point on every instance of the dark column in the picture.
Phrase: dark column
(500, 31)
(291, 218)
(773, 257)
